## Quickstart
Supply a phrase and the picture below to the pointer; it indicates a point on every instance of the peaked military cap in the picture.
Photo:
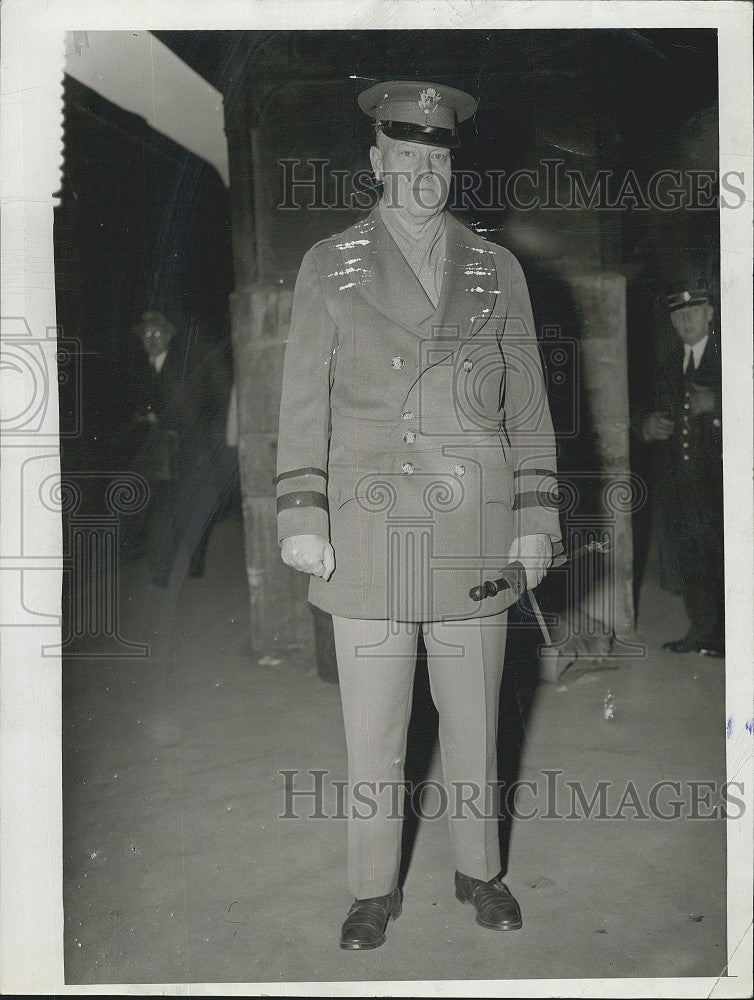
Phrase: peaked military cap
(418, 112)
(689, 292)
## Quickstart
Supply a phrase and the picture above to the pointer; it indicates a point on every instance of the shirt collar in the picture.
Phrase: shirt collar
(158, 361)
(397, 227)
(694, 350)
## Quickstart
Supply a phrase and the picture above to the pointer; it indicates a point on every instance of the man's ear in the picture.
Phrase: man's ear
(710, 312)
(375, 158)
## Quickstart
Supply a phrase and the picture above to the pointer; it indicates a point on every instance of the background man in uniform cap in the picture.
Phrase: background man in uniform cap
(416, 458)
(683, 420)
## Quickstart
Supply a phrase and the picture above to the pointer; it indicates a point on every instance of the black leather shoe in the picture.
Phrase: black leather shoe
(495, 906)
(364, 927)
(684, 645)
(716, 654)
(688, 645)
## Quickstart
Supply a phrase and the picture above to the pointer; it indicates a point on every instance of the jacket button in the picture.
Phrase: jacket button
(407, 468)
(409, 437)
(397, 363)
(687, 406)
(685, 444)
(685, 430)
(716, 423)
(459, 470)
(468, 364)
(408, 415)
(685, 458)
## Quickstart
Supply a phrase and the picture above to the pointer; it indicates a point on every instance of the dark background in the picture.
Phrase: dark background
(143, 223)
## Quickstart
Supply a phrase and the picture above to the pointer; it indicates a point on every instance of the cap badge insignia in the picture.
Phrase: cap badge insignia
(686, 296)
(428, 100)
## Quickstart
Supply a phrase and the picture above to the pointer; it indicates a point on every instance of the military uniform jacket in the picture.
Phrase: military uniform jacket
(693, 454)
(687, 469)
(417, 439)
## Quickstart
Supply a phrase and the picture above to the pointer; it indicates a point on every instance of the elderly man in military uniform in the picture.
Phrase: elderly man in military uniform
(683, 421)
(416, 458)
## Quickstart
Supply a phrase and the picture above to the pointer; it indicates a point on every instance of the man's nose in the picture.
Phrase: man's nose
(429, 167)
(424, 164)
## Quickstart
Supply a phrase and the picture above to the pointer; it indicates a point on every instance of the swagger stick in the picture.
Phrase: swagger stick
(513, 577)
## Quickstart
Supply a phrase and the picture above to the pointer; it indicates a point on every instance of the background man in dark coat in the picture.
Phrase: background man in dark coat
(179, 393)
(683, 421)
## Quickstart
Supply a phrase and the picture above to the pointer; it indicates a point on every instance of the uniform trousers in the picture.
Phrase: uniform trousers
(693, 512)
(376, 663)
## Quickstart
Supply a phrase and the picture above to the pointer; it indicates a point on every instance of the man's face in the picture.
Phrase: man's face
(416, 177)
(155, 339)
(692, 323)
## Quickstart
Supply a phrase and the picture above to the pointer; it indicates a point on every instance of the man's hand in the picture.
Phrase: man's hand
(309, 554)
(535, 554)
(701, 400)
(657, 427)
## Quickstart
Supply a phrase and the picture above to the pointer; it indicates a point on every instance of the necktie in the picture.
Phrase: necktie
(689, 359)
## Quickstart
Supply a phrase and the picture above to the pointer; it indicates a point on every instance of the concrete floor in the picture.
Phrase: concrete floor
(178, 870)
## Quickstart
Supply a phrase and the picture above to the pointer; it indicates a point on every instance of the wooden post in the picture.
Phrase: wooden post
(280, 618)
(601, 302)
(260, 316)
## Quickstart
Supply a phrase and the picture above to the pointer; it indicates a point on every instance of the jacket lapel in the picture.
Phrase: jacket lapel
(387, 281)
(708, 372)
(470, 286)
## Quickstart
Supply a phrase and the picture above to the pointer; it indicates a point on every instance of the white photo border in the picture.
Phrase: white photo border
(33, 34)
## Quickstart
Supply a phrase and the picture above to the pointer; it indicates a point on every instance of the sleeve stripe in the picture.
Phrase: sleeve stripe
(534, 472)
(309, 471)
(302, 498)
(537, 498)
